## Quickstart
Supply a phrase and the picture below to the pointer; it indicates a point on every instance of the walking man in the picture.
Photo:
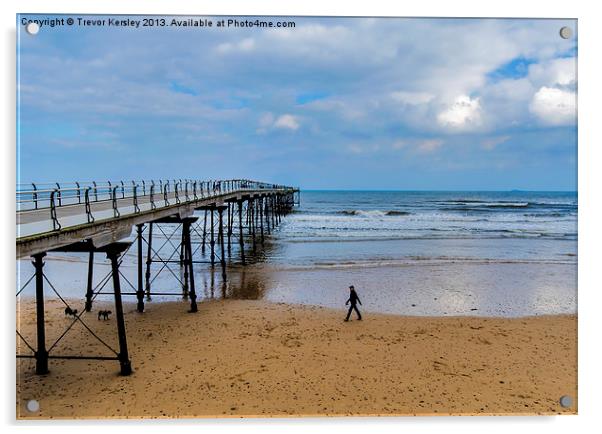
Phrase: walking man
(353, 299)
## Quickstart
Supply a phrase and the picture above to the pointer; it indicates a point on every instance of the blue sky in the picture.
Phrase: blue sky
(330, 104)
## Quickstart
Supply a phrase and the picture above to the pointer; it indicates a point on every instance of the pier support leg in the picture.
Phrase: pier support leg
(41, 353)
(189, 266)
(212, 240)
(241, 239)
(149, 260)
(229, 227)
(89, 286)
(252, 220)
(266, 213)
(140, 291)
(185, 237)
(261, 219)
(222, 258)
(204, 233)
(124, 358)
(182, 248)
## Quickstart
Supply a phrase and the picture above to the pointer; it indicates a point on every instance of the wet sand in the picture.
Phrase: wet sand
(254, 358)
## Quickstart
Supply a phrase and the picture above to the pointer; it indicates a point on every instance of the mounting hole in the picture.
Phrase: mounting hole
(566, 401)
(566, 32)
(32, 28)
(32, 406)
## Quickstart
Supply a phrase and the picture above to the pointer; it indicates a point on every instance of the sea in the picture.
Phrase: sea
(417, 253)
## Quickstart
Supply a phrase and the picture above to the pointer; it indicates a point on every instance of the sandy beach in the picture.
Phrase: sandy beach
(238, 358)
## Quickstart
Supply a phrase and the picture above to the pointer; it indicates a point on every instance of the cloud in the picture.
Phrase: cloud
(354, 148)
(417, 145)
(399, 144)
(412, 98)
(244, 45)
(287, 122)
(268, 121)
(429, 145)
(554, 106)
(554, 72)
(463, 114)
(408, 84)
(342, 107)
(363, 148)
(491, 142)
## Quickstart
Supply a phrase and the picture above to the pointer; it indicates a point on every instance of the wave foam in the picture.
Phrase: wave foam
(373, 213)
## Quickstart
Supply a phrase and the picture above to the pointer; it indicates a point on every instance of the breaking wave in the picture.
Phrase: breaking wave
(373, 213)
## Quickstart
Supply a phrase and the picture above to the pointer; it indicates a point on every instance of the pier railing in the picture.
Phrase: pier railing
(49, 195)
(112, 198)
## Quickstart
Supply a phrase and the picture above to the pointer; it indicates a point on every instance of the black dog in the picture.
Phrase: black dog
(69, 311)
(104, 314)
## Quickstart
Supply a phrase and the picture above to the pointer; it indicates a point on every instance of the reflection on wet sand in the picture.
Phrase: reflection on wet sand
(243, 282)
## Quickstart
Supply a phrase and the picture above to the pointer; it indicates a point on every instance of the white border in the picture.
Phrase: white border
(590, 217)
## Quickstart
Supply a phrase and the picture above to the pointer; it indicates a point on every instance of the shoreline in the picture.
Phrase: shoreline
(241, 358)
(130, 307)
(456, 289)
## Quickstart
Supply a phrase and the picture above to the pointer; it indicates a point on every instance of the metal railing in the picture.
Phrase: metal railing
(160, 193)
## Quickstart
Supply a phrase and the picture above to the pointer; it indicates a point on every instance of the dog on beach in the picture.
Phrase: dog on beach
(104, 314)
(70, 312)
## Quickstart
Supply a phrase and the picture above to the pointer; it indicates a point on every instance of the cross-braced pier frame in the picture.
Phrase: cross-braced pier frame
(175, 224)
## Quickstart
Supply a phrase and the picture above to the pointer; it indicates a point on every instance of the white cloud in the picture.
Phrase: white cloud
(266, 120)
(380, 83)
(417, 145)
(244, 45)
(429, 145)
(363, 148)
(355, 148)
(412, 98)
(555, 72)
(269, 121)
(463, 114)
(554, 106)
(287, 121)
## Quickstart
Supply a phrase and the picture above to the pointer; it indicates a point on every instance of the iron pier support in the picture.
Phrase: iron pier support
(140, 291)
(149, 260)
(124, 358)
(222, 258)
(212, 240)
(41, 354)
(188, 263)
(204, 233)
(261, 219)
(266, 213)
(241, 239)
(252, 222)
(89, 286)
(229, 227)
(183, 268)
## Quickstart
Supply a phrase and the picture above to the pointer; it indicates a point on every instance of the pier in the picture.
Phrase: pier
(100, 218)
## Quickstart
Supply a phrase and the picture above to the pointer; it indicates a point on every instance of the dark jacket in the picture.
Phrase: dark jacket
(353, 298)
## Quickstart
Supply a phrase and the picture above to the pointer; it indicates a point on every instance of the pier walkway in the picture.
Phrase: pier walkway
(93, 218)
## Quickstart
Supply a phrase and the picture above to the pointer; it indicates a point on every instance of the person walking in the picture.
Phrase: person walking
(353, 299)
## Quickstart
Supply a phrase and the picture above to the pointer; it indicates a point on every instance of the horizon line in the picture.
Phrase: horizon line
(437, 190)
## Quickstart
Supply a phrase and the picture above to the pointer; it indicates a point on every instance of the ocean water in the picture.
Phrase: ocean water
(401, 226)
(409, 253)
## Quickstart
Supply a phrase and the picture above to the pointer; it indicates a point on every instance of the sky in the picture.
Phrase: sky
(333, 103)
